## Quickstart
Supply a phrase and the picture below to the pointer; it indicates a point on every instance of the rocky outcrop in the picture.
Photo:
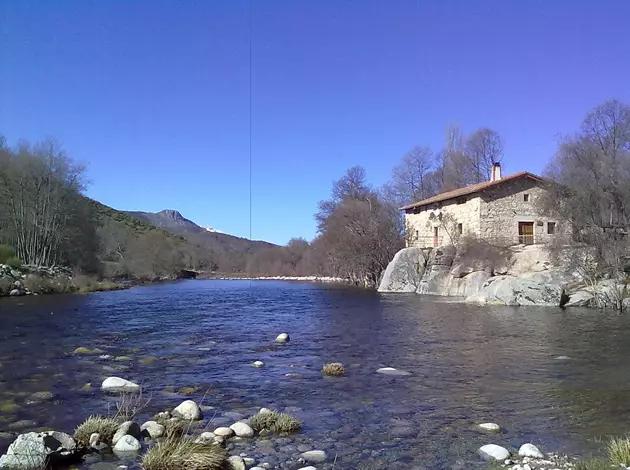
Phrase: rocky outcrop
(404, 272)
(508, 290)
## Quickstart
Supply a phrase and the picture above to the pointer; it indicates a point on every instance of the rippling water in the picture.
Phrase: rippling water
(468, 365)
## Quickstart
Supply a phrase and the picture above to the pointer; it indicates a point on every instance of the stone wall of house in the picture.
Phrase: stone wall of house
(504, 206)
(420, 226)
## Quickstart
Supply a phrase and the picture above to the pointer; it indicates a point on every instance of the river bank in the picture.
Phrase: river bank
(317, 279)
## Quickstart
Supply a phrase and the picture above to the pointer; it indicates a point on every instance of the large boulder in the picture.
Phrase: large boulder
(581, 298)
(507, 290)
(436, 280)
(404, 272)
(477, 255)
(35, 450)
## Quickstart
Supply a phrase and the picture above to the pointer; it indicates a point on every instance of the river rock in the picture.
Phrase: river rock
(34, 449)
(224, 432)
(507, 290)
(127, 428)
(188, 410)
(493, 451)
(264, 410)
(242, 429)
(314, 456)
(392, 371)
(530, 450)
(305, 468)
(236, 463)
(127, 444)
(116, 384)
(153, 428)
(404, 271)
(259, 363)
(282, 338)
(490, 427)
(94, 439)
(15, 293)
(581, 298)
(206, 438)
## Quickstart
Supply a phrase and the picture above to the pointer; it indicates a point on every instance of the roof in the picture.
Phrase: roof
(474, 188)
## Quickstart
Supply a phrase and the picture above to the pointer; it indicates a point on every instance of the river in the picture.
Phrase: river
(467, 365)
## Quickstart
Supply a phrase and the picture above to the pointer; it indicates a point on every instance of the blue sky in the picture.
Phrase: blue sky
(154, 95)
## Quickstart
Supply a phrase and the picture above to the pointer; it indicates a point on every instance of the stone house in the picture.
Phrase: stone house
(503, 211)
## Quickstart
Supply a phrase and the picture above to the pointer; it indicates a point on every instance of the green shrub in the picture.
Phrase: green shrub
(619, 451)
(106, 427)
(6, 286)
(14, 262)
(275, 422)
(184, 454)
(6, 252)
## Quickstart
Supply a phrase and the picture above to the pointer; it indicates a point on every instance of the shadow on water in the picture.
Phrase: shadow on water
(467, 364)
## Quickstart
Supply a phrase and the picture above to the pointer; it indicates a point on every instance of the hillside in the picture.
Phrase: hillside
(218, 242)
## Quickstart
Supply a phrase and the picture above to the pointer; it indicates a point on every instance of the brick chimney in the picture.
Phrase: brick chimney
(496, 172)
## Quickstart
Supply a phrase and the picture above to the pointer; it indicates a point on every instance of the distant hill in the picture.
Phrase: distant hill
(225, 246)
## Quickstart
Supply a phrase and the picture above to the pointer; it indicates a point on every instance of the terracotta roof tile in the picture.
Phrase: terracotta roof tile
(475, 188)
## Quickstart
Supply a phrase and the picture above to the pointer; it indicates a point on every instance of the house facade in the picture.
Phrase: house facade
(503, 211)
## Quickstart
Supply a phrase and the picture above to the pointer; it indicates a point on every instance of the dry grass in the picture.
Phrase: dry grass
(173, 427)
(593, 464)
(275, 422)
(184, 454)
(129, 404)
(334, 369)
(106, 427)
(619, 451)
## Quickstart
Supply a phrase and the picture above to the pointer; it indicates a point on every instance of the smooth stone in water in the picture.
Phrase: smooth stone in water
(116, 384)
(493, 451)
(188, 410)
(94, 438)
(264, 410)
(206, 438)
(224, 432)
(259, 363)
(154, 429)
(128, 428)
(530, 450)
(127, 444)
(315, 456)
(282, 338)
(392, 371)
(490, 426)
(242, 430)
(236, 463)
(305, 468)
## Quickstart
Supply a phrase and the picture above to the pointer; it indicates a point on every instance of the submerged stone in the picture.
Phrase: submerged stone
(392, 371)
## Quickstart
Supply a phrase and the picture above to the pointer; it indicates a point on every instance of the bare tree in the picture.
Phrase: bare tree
(411, 178)
(484, 148)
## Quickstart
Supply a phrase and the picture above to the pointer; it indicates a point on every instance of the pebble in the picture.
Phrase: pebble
(282, 338)
(530, 450)
(490, 426)
(188, 410)
(224, 432)
(242, 430)
(259, 363)
(236, 463)
(315, 456)
(493, 451)
(392, 371)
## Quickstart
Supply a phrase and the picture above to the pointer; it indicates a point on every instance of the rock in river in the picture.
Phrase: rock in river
(242, 430)
(116, 384)
(490, 427)
(530, 450)
(259, 363)
(154, 429)
(188, 410)
(282, 338)
(314, 456)
(236, 463)
(224, 432)
(493, 451)
(392, 371)
(127, 428)
(34, 449)
(127, 444)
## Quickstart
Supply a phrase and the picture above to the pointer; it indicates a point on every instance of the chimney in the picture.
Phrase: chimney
(496, 172)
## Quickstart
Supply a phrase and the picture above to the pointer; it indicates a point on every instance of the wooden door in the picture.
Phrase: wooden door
(436, 237)
(526, 233)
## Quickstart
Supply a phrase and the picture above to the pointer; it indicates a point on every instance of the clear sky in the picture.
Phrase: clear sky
(154, 95)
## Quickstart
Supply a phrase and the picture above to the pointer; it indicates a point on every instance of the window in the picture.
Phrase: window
(460, 228)
(551, 228)
(526, 197)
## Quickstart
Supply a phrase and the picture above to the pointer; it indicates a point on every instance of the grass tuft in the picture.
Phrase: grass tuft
(172, 427)
(184, 454)
(334, 369)
(593, 464)
(106, 427)
(130, 404)
(619, 451)
(275, 422)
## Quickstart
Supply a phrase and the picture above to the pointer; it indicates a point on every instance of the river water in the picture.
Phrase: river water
(557, 378)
